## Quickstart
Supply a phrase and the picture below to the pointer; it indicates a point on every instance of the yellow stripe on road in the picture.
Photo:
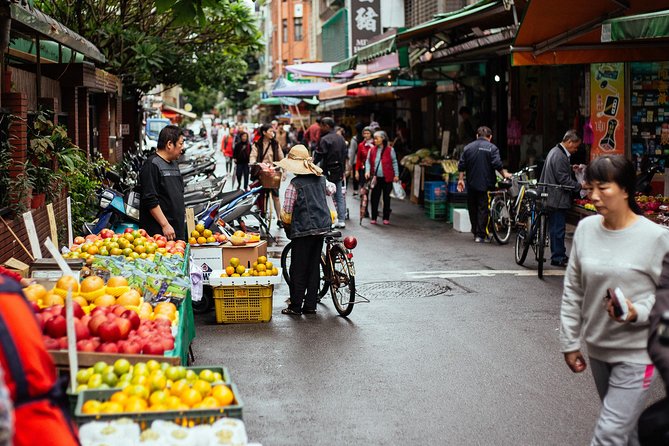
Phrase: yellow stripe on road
(481, 273)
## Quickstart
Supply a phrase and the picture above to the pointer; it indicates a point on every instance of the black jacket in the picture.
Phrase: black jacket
(242, 152)
(659, 353)
(331, 155)
(480, 159)
(161, 184)
(557, 170)
(311, 215)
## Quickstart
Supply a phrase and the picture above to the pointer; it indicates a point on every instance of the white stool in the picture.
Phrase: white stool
(461, 221)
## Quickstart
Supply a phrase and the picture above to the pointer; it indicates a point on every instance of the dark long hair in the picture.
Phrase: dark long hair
(616, 169)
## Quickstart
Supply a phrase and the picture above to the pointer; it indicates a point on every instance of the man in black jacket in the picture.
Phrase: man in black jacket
(558, 170)
(162, 209)
(480, 159)
(331, 155)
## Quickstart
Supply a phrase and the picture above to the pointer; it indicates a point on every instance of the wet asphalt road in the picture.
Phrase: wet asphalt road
(437, 357)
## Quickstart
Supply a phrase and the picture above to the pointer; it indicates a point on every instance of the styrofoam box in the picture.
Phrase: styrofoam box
(461, 221)
(215, 279)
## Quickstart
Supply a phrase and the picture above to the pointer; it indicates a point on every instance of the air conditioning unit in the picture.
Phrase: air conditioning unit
(298, 10)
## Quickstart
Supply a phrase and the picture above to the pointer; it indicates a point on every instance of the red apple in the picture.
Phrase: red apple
(99, 310)
(50, 343)
(95, 322)
(130, 347)
(124, 326)
(95, 341)
(133, 317)
(168, 343)
(142, 232)
(108, 347)
(153, 348)
(119, 310)
(109, 331)
(86, 319)
(128, 230)
(85, 345)
(76, 309)
(62, 343)
(39, 317)
(35, 307)
(111, 316)
(56, 327)
(81, 330)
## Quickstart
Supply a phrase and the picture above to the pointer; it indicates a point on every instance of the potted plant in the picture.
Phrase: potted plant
(22, 189)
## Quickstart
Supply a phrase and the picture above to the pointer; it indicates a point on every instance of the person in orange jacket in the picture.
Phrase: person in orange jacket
(40, 404)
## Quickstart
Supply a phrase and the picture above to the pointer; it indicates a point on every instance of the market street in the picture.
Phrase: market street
(454, 348)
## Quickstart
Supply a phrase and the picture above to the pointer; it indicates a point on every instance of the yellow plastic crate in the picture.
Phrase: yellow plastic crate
(242, 304)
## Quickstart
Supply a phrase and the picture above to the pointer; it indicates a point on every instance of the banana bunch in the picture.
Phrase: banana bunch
(449, 166)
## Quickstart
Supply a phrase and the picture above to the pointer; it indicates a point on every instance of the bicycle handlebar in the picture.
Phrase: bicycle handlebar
(556, 186)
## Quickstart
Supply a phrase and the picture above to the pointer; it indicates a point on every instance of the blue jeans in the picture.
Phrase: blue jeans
(556, 229)
(340, 201)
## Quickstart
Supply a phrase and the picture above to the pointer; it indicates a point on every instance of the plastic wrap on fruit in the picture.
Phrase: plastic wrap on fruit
(175, 434)
(228, 428)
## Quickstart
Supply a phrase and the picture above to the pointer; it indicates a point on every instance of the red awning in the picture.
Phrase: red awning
(569, 32)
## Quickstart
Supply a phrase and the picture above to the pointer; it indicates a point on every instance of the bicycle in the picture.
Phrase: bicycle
(534, 217)
(337, 271)
(503, 213)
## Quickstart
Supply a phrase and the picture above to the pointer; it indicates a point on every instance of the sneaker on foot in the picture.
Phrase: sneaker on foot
(373, 221)
(340, 225)
(386, 222)
(478, 240)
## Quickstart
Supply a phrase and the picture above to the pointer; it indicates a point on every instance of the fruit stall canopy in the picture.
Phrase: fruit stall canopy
(569, 32)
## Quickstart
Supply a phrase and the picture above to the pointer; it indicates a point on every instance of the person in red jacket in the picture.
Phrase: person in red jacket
(40, 404)
(226, 147)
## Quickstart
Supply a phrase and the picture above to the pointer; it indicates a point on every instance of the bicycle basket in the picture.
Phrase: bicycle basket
(270, 179)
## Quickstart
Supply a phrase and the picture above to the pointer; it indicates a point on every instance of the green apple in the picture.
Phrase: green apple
(121, 366)
(95, 381)
(84, 375)
(99, 367)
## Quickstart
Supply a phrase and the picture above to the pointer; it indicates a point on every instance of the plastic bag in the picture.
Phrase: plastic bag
(398, 191)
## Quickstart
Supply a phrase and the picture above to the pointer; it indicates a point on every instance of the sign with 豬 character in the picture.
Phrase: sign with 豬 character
(365, 22)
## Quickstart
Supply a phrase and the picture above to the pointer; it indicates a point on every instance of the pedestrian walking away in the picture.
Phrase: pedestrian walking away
(331, 155)
(241, 155)
(479, 161)
(162, 209)
(382, 170)
(307, 219)
(615, 266)
(557, 170)
(227, 148)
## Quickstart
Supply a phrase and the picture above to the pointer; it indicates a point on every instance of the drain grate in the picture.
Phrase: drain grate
(404, 290)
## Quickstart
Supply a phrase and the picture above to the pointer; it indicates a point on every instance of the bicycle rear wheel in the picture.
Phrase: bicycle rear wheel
(499, 217)
(342, 284)
(523, 241)
(541, 244)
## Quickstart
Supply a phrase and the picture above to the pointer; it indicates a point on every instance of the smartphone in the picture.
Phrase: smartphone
(618, 301)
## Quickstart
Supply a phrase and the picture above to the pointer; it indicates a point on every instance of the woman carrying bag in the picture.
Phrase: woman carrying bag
(381, 167)
(266, 150)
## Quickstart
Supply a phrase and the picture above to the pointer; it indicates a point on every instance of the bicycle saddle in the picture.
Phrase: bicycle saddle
(333, 234)
(532, 194)
(504, 184)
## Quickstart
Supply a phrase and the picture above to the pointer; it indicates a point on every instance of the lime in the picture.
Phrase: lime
(81, 387)
(84, 375)
(99, 367)
(121, 366)
(110, 379)
(95, 381)
(152, 365)
(207, 375)
(191, 375)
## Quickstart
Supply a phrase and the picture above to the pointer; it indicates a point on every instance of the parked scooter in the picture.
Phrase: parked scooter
(118, 210)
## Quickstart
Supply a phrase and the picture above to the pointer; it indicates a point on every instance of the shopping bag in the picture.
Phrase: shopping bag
(398, 191)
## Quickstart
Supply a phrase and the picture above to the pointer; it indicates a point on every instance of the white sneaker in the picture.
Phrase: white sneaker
(340, 225)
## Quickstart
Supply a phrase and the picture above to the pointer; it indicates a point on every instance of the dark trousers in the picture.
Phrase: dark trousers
(654, 424)
(305, 275)
(477, 205)
(556, 229)
(382, 187)
(243, 171)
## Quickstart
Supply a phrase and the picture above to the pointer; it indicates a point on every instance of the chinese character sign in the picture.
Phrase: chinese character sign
(365, 22)
(607, 87)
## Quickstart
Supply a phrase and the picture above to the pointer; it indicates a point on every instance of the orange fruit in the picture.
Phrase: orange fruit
(178, 387)
(119, 397)
(145, 311)
(209, 403)
(91, 407)
(230, 270)
(173, 402)
(81, 301)
(53, 299)
(203, 387)
(167, 308)
(158, 408)
(111, 407)
(106, 300)
(192, 241)
(129, 298)
(34, 292)
(92, 287)
(65, 283)
(135, 404)
(201, 240)
(191, 397)
(223, 395)
(158, 397)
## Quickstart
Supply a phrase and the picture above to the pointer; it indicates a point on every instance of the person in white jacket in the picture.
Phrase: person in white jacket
(621, 250)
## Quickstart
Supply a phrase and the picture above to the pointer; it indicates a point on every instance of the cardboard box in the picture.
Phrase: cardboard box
(17, 266)
(209, 258)
(246, 254)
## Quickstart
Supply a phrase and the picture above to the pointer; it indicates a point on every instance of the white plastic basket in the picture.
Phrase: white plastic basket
(216, 280)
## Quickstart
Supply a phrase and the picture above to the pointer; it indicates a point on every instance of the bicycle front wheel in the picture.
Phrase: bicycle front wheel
(523, 241)
(541, 245)
(342, 282)
(285, 262)
(499, 216)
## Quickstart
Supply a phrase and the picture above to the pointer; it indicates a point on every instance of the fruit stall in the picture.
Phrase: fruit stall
(655, 208)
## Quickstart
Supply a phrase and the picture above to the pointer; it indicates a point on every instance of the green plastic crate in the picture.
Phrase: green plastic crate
(435, 210)
(452, 206)
(186, 418)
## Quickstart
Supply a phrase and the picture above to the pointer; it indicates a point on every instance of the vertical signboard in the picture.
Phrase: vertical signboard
(365, 22)
(607, 111)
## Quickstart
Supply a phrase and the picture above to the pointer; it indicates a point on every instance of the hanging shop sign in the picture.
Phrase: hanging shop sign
(607, 87)
(365, 22)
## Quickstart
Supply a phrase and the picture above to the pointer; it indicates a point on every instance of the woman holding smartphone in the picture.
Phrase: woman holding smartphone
(621, 251)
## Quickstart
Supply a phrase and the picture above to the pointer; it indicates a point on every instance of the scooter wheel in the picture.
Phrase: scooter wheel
(206, 304)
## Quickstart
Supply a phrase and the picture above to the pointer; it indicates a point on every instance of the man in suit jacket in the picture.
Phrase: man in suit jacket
(557, 170)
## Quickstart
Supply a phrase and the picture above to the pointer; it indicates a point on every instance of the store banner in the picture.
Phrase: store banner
(365, 22)
(607, 88)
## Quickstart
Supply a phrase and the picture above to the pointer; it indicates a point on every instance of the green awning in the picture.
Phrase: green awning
(377, 49)
(36, 20)
(654, 25)
(443, 19)
(345, 65)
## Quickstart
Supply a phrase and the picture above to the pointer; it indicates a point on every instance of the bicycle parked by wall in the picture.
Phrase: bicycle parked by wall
(337, 271)
(504, 204)
(533, 225)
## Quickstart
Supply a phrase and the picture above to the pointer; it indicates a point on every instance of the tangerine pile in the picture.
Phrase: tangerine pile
(152, 386)
(261, 267)
(201, 235)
